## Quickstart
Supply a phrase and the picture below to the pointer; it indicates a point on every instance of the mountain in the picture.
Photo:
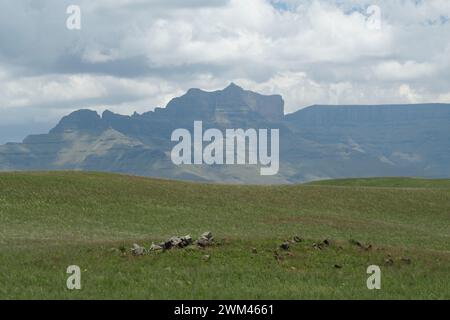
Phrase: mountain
(317, 142)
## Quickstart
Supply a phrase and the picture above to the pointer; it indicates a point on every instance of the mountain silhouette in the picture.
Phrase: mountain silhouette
(317, 142)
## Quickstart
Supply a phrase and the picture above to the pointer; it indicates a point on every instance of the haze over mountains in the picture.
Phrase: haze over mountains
(317, 142)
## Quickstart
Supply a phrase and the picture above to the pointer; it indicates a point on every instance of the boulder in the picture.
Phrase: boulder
(175, 242)
(137, 250)
(207, 236)
(156, 247)
(206, 239)
(167, 245)
(203, 243)
(285, 246)
(186, 241)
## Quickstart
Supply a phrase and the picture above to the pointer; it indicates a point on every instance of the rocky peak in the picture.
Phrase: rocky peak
(78, 121)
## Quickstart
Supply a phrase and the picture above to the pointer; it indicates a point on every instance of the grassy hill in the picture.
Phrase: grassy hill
(386, 183)
(49, 221)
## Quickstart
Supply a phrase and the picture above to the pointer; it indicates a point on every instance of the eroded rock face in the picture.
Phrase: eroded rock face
(317, 142)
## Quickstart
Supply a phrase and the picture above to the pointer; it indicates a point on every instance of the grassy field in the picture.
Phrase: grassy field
(49, 221)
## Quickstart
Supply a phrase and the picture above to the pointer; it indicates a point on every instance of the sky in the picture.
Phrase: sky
(135, 55)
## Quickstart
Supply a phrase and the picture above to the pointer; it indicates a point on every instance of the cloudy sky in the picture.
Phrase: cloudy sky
(134, 55)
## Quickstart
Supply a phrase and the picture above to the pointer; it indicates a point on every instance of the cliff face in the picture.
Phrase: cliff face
(316, 142)
(230, 105)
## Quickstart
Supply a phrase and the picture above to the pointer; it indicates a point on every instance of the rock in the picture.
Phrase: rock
(175, 242)
(406, 260)
(254, 250)
(277, 256)
(318, 246)
(137, 250)
(298, 239)
(207, 235)
(206, 257)
(355, 243)
(327, 242)
(206, 239)
(156, 247)
(167, 245)
(337, 266)
(203, 243)
(186, 241)
(285, 246)
(389, 262)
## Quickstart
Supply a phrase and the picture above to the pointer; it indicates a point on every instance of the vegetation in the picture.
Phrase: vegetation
(49, 221)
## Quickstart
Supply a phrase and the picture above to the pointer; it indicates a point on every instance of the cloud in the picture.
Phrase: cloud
(136, 54)
(409, 70)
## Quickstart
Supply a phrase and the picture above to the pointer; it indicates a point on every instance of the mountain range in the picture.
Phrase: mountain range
(317, 142)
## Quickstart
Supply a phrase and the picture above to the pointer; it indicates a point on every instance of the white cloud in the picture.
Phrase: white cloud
(136, 54)
(409, 70)
(408, 93)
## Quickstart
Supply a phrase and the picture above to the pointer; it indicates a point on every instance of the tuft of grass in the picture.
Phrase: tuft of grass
(51, 220)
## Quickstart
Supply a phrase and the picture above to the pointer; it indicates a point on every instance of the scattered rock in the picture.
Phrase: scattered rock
(388, 262)
(318, 246)
(298, 239)
(285, 246)
(137, 250)
(406, 260)
(355, 243)
(277, 256)
(167, 245)
(206, 257)
(202, 243)
(156, 247)
(186, 241)
(207, 236)
(175, 242)
(206, 239)
(361, 245)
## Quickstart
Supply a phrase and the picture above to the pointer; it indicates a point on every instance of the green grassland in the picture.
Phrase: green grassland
(49, 221)
(387, 183)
